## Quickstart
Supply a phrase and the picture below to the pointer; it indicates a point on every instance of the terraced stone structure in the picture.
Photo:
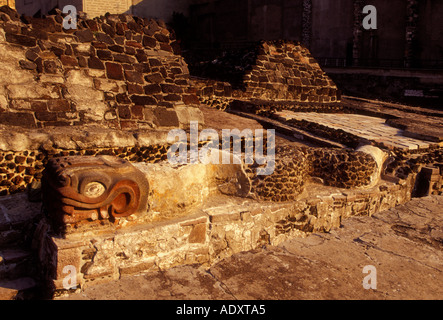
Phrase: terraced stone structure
(274, 71)
(116, 71)
(89, 111)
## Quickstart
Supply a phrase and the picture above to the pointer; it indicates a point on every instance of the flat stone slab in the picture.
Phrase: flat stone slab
(370, 128)
(405, 245)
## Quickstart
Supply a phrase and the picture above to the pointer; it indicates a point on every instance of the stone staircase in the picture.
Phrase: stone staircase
(18, 266)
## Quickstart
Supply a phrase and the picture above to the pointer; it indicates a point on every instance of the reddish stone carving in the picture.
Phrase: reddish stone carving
(86, 188)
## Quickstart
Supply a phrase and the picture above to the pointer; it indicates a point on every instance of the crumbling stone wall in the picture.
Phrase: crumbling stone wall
(293, 166)
(286, 182)
(206, 237)
(116, 71)
(18, 170)
(216, 94)
(269, 71)
(287, 71)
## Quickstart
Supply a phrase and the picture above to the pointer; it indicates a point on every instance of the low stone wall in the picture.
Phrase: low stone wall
(216, 94)
(25, 152)
(220, 229)
(29, 150)
(116, 71)
(293, 166)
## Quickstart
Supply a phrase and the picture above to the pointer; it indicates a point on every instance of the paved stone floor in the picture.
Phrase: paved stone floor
(404, 244)
(370, 128)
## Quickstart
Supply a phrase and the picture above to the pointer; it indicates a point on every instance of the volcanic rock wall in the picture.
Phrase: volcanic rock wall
(269, 71)
(293, 166)
(287, 71)
(116, 71)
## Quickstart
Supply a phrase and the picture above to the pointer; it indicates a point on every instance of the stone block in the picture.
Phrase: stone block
(166, 117)
(152, 89)
(85, 35)
(130, 50)
(172, 97)
(134, 44)
(122, 98)
(69, 61)
(149, 42)
(124, 112)
(108, 29)
(104, 55)
(154, 77)
(191, 99)
(134, 76)
(95, 63)
(21, 40)
(171, 88)
(114, 71)
(143, 100)
(166, 47)
(141, 57)
(137, 112)
(135, 89)
(103, 37)
(28, 65)
(198, 234)
(117, 48)
(59, 105)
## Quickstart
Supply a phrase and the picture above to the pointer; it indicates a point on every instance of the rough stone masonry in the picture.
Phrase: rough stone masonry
(115, 87)
(116, 71)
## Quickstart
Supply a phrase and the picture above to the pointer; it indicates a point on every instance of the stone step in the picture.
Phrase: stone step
(15, 263)
(10, 237)
(9, 290)
(13, 255)
(17, 217)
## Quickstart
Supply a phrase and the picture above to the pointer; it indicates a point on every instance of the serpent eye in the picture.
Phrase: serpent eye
(94, 189)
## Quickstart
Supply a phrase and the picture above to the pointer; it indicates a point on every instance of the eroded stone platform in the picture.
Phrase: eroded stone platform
(365, 127)
(403, 243)
(220, 227)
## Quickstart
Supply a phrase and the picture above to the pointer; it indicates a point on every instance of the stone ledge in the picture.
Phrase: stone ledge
(75, 138)
(222, 227)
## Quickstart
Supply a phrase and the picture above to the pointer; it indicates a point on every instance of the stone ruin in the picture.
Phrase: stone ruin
(85, 116)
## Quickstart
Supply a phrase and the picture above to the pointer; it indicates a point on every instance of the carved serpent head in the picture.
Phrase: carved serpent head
(80, 188)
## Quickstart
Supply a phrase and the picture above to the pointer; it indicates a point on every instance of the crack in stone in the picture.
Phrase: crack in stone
(222, 285)
(373, 246)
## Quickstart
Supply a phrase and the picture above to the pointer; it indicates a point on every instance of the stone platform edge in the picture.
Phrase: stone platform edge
(204, 238)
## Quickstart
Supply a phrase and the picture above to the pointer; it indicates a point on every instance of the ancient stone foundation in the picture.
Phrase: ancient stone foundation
(201, 226)
(272, 71)
(116, 71)
(84, 122)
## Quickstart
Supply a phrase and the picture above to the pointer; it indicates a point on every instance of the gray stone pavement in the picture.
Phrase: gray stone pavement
(404, 245)
(370, 128)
